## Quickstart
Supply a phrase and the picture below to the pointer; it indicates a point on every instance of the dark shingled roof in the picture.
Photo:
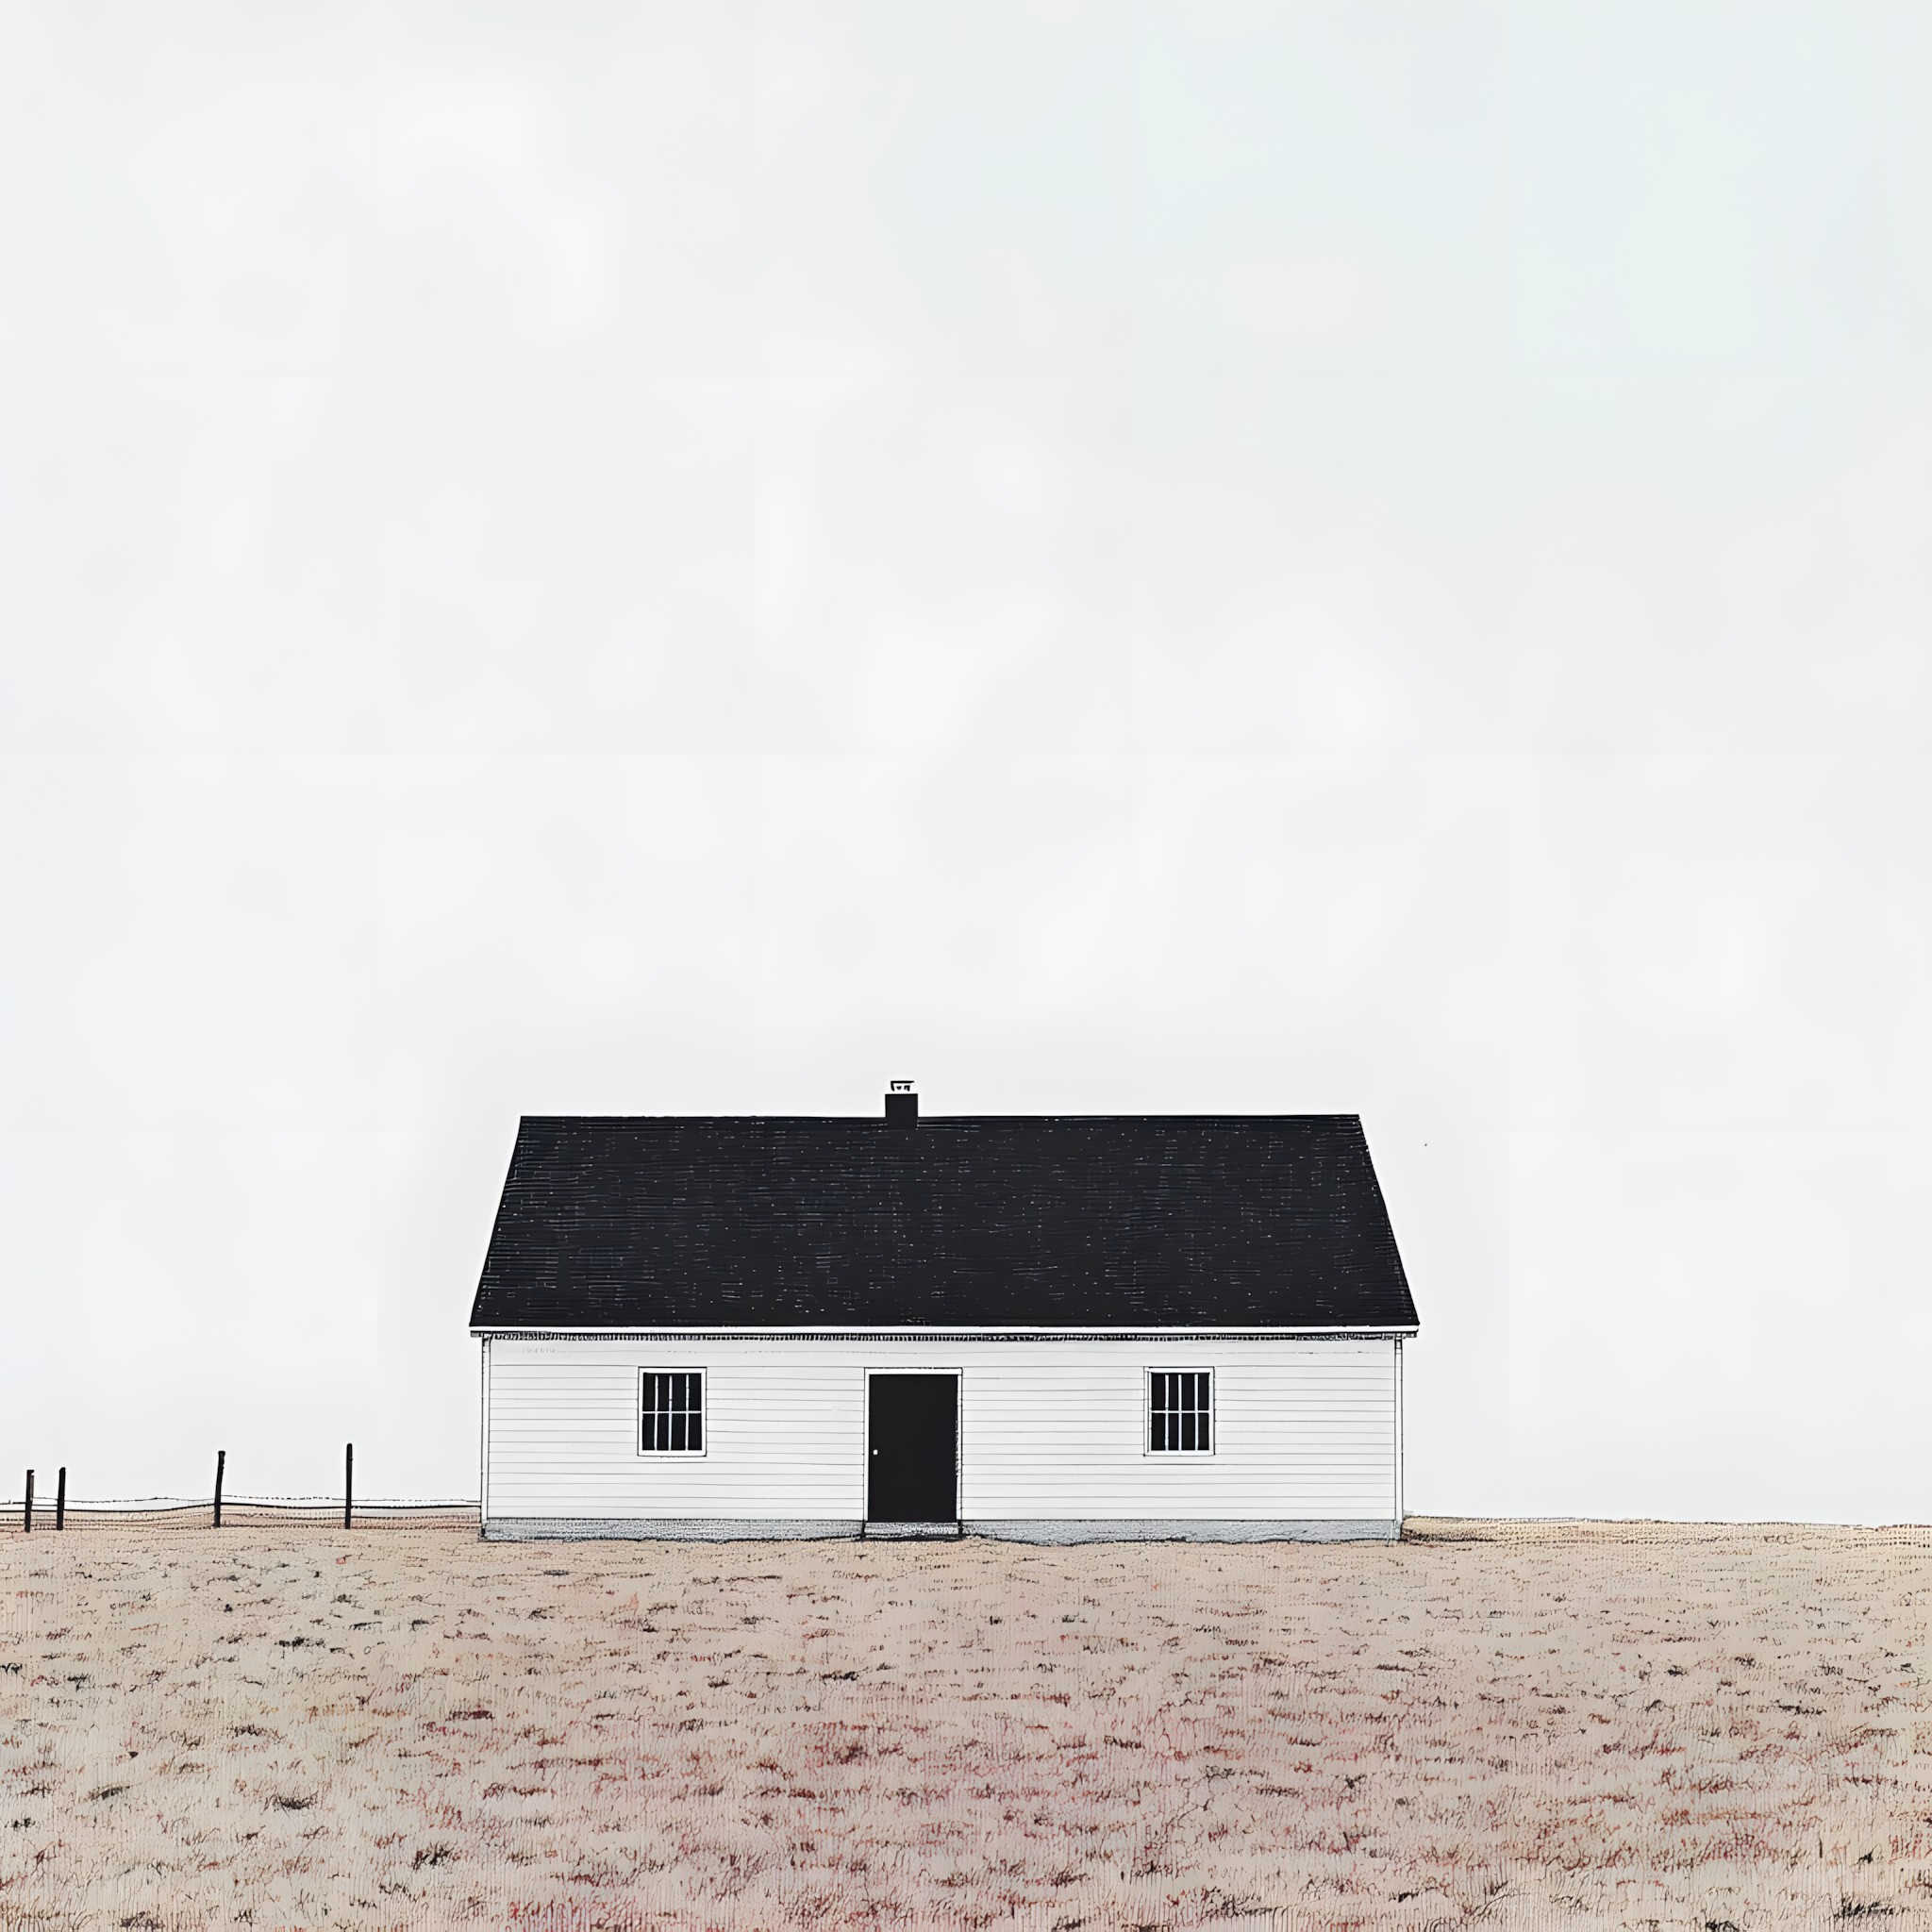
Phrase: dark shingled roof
(1260, 1221)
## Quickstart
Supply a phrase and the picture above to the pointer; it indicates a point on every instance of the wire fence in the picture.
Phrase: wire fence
(38, 1512)
(238, 1512)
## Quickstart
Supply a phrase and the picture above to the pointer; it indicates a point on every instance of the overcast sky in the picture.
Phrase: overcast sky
(1128, 558)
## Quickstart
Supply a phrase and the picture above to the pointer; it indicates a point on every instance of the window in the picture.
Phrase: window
(673, 1405)
(1180, 1405)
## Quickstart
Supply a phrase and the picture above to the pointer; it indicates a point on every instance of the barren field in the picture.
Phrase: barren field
(1706, 1728)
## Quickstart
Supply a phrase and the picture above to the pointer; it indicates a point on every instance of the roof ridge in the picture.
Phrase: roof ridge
(930, 1120)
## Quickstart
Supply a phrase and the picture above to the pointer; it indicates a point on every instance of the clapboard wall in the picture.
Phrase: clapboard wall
(1052, 1438)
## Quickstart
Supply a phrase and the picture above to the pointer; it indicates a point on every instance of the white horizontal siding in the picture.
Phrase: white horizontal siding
(1305, 1429)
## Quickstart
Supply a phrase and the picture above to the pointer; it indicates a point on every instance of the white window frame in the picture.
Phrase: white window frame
(1147, 1447)
(703, 1408)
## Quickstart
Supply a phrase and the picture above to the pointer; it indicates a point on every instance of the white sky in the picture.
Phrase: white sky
(1124, 557)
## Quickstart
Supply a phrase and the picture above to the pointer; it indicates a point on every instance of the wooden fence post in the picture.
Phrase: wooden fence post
(30, 1502)
(221, 1465)
(348, 1482)
(61, 1500)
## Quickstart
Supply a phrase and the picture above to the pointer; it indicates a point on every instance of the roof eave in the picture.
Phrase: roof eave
(1393, 1329)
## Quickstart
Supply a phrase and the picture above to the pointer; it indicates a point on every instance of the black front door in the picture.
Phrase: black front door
(913, 1449)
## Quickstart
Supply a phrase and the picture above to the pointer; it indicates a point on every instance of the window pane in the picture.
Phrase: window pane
(1180, 1402)
(672, 1410)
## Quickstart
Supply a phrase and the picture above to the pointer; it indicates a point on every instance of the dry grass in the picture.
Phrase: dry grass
(1697, 1728)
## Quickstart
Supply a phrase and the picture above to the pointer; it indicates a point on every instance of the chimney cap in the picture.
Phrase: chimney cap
(899, 1086)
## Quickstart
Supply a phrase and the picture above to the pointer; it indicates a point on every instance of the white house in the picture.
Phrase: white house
(1050, 1329)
